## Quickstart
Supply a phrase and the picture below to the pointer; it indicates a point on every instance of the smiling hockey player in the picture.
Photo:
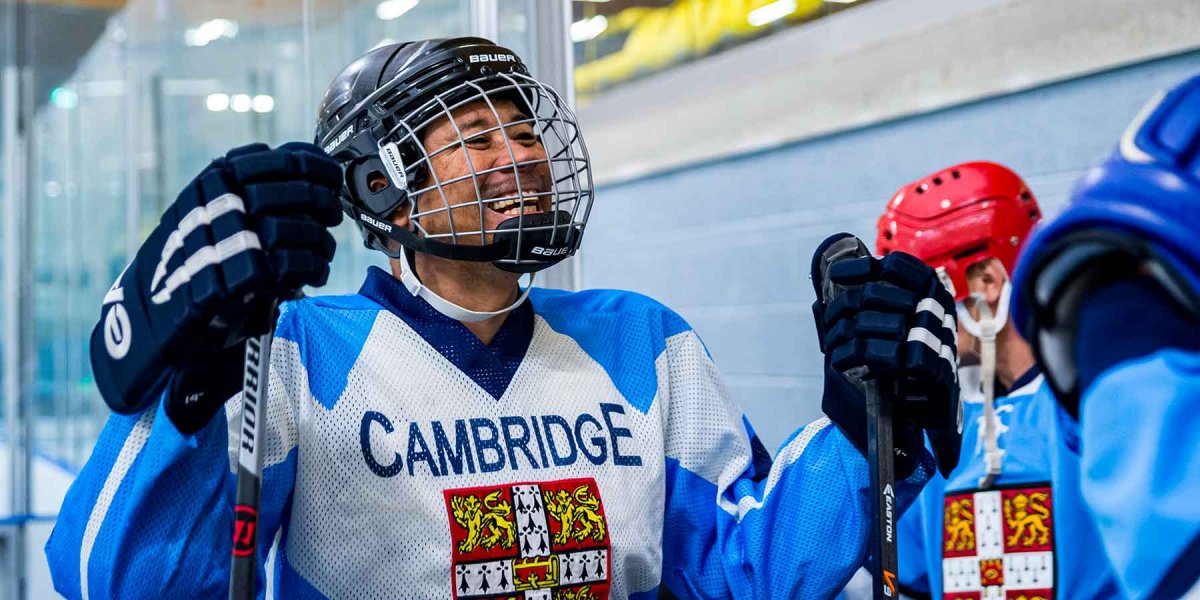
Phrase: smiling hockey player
(1109, 295)
(442, 433)
(1015, 475)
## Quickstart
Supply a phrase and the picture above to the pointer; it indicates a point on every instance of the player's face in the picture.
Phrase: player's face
(987, 279)
(485, 146)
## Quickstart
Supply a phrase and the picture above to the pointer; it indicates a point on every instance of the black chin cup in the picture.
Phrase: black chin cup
(532, 252)
(536, 241)
(1068, 271)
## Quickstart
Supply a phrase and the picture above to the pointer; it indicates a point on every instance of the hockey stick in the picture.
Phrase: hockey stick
(244, 570)
(880, 453)
(880, 444)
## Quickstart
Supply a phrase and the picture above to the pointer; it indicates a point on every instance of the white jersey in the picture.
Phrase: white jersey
(590, 451)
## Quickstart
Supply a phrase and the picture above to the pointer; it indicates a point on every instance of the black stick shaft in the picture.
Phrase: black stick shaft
(880, 453)
(244, 570)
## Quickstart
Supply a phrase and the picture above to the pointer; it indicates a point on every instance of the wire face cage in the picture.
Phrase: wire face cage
(497, 159)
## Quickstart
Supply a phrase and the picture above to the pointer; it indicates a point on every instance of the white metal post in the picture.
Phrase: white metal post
(18, 355)
(485, 19)
(11, 535)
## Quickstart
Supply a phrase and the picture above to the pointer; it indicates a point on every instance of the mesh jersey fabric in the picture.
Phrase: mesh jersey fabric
(596, 454)
(935, 539)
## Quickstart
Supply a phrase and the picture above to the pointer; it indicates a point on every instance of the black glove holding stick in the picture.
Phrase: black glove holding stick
(891, 321)
(888, 335)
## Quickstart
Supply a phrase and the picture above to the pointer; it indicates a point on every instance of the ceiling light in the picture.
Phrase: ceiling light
(241, 103)
(210, 31)
(587, 29)
(263, 103)
(64, 98)
(217, 102)
(394, 9)
(771, 12)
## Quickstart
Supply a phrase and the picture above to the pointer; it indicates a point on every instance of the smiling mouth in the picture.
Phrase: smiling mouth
(515, 206)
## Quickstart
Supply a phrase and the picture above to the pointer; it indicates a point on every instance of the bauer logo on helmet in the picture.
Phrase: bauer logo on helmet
(343, 136)
(483, 58)
(390, 154)
(375, 222)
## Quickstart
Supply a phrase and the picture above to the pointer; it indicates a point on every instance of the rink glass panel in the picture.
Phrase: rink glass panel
(164, 88)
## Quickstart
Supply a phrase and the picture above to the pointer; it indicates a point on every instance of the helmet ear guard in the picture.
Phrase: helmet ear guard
(361, 177)
(400, 166)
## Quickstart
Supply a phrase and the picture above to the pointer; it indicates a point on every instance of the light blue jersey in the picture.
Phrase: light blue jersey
(1143, 483)
(1026, 535)
(590, 451)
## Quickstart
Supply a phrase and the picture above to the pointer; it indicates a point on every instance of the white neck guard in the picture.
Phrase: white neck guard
(408, 277)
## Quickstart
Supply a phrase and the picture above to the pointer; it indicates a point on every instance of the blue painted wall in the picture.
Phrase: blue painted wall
(728, 243)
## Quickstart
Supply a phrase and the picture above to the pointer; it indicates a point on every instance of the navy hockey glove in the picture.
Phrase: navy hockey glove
(892, 320)
(249, 229)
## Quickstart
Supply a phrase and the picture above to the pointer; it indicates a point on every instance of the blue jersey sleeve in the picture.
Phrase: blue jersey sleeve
(1140, 453)
(911, 545)
(151, 513)
(740, 525)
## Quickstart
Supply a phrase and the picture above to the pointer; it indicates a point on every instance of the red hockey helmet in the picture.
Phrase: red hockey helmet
(959, 216)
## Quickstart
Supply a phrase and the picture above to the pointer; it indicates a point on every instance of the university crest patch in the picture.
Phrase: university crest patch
(530, 541)
(998, 544)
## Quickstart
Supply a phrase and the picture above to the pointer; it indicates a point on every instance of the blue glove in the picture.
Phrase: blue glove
(891, 320)
(251, 228)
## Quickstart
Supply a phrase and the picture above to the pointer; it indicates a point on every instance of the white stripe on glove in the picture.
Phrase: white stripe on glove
(201, 215)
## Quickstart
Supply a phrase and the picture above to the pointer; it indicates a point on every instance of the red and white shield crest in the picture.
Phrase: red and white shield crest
(998, 543)
(530, 541)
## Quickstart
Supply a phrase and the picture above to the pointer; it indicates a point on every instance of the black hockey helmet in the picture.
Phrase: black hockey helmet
(374, 117)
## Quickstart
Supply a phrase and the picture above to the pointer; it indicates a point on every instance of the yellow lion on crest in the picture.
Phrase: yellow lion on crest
(960, 521)
(487, 523)
(577, 512)
(1027, 514)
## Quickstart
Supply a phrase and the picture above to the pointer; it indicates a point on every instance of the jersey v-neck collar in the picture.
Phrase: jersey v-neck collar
(1024, 380)
(490, 366)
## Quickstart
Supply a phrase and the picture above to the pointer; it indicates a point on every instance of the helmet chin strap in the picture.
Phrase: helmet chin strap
(986, 329)
(408, 277)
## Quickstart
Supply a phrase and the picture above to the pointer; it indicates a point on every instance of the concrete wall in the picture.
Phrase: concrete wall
(727, 243)
(883, 60)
